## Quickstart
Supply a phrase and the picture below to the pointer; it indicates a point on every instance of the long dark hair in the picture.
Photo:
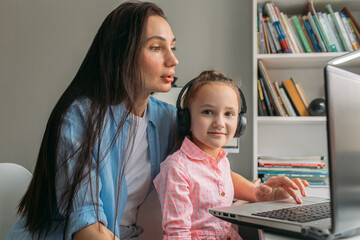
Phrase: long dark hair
(109, 75)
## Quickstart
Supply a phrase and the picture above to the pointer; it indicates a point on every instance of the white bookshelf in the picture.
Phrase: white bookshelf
(293, 136)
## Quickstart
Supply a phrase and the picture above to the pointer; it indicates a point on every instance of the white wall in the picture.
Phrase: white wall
(43, 42)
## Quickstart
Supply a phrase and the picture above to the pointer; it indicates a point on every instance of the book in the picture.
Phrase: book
(269, 107)
(306, 33)
(269, 9)
(344, 41)
(270, 89)
(301, 34)
(351, 16)
(296, 35)
(266, 39)
(277, 89)
(310, 8)
(314, 158)
(294, 97)
(274, 36)
(290, 34)
(350, 32)
(269, 36)
(317, 33)
(260, 19)
(311, 34)
(333, 31)
(327, 32)
(356, 32)
(287, 103)
(262, 106)
(302, 94)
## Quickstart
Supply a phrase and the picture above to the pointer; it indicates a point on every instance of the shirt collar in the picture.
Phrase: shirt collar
(192, 151)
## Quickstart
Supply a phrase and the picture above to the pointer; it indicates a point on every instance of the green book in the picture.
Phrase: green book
(329, 9)
(301, 34)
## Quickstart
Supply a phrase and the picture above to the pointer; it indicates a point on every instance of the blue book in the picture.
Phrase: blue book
(311, 33)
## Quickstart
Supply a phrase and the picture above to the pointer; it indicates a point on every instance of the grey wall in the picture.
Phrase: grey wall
(43, 43)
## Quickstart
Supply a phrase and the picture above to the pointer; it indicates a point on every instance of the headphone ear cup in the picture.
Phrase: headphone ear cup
(183, 121)
(240, 129)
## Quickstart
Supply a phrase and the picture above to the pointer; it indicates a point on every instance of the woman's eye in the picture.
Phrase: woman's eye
(155, 48)
(173, 49)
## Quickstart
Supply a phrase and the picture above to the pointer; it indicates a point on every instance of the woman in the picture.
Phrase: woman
(105, 133)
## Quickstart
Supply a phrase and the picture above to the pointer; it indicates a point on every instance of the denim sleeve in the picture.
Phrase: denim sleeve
(85, 211)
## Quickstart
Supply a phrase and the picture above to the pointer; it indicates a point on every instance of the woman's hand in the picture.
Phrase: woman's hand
(94, 231)
(277, 188)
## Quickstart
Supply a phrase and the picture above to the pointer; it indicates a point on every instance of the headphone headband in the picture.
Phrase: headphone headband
(243, 108)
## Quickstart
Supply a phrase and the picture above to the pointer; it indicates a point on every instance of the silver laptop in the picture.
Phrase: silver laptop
(342, 89)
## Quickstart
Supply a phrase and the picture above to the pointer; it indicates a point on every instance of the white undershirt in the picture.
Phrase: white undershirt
(137, 171)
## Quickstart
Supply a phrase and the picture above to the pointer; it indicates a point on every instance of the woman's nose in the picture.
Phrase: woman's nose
(171, 60)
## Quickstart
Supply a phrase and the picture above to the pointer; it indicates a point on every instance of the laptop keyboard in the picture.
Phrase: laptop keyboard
(301, 214)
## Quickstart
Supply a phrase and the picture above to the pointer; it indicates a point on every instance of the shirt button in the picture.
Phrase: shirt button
(151, 139)
(223, 194)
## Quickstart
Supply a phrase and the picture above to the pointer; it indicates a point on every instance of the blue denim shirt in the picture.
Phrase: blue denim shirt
(160, 131)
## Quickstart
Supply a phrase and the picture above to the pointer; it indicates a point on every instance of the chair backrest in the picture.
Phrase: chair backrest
(14, 180)
(150, 218)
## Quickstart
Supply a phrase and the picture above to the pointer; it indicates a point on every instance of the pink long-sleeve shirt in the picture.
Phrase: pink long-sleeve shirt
(190, 182)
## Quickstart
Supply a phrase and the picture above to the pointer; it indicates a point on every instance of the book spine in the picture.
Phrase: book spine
(349, 31)
(317, 33)
(294, 164)
(262, 107)
(311, 33)
(274, 36)
(275, 21)
(357, 33)
(296, 35)
(290, 89)
(282, 104)
(333, 31)
(302, 94)
(327, 31)
(262, 43)
(301, 34)
(287, 103)
(269, 107)
(337, 24)
(270, 89)
(351, 16)
(306, 34)
(289, 34)
(344, 32)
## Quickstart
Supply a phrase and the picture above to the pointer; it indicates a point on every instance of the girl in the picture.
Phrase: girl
(86, 181)
(198, 176)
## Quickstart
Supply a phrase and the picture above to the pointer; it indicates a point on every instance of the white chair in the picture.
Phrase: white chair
(14, 180)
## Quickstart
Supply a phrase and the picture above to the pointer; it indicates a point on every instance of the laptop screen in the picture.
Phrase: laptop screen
(343, 129)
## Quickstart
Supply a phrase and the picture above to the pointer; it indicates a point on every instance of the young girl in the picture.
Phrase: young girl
(198, 176)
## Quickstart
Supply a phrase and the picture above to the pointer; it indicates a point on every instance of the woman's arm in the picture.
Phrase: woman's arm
(94, 231)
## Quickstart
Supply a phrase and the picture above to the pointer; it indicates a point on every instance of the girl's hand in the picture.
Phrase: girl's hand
(277, 188)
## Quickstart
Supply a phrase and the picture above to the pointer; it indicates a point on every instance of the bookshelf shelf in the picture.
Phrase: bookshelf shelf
(297, 60)
(293, 136)
(291, 120)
